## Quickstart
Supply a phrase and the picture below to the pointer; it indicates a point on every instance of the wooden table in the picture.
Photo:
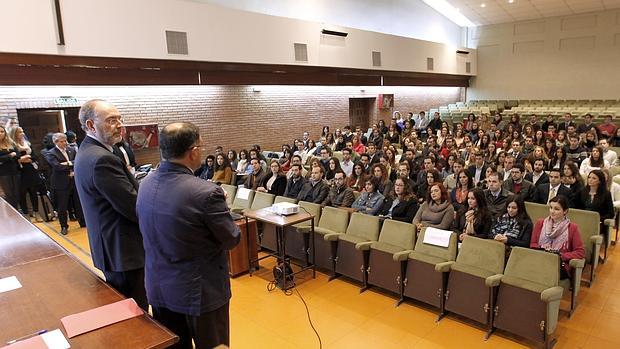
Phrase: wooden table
(55, 284)
(280, 222)
(238, 261)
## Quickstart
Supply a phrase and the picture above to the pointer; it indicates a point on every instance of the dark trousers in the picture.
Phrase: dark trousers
(130, 284)
(10, 187)
(30, 191)
(208, 330)
(65, 197)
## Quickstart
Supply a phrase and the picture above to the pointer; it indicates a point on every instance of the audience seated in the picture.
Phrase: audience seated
(596, 197)
(595, 161)
(257, 177)
(357, 179)
(339, 195)
(514, 227)
(464, 184)
(436, 211)
(275, 181)
(473, 218)
(222, 173)
(315, 190)
(519, 186)
(402, 204)
(294, 182)
(556, 233)
(371, 200)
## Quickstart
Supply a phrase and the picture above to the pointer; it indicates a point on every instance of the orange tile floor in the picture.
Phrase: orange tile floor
(344, 318)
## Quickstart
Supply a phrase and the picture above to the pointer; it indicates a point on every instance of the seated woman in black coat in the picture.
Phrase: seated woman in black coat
(275, 181)
(402, 205)
(595, 197)
(514, 227)
(474, 218)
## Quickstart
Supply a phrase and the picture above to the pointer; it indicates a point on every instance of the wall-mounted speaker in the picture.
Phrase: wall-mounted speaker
(333, 32)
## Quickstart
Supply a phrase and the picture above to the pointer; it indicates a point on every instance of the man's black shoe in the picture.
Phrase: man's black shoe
(64, 230)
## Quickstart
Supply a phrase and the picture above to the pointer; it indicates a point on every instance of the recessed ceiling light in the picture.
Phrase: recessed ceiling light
(511, 1)
(450, 12)
(483, 5)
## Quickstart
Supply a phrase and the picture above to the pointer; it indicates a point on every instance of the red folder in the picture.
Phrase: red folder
(93, 319)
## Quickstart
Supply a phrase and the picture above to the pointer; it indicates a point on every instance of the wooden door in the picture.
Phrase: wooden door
(360, 110)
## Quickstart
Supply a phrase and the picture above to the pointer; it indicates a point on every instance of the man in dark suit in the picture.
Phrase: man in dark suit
(568, 121)
(478, 170)
(60, 158)
(315, 189)
(109, 193)
(547, 191)
(125, 153)
(187, 229)
(538, 175)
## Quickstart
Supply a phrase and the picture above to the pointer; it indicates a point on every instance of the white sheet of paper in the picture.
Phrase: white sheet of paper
(437, 237)
(9, 284)
(243, 193)
(55, 340)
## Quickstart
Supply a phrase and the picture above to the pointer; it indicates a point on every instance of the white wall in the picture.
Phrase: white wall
(136, 29)
(409, 18)
(569, 57)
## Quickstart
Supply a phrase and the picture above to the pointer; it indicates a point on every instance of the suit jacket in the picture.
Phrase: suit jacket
(187, 229)
(544, 179)
(562, 125)
(293, 188)
(315, 194)
(542, 194)
(60, 173)
(130, 155)
(108, 195)
(527, 192)
(472, 172)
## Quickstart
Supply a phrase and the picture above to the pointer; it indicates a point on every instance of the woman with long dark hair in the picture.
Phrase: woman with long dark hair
(432, 176)
(357, 178)
(222, 173)
(402, 204)
(473, 218)
(596, 197)
(232, 159)
(458, 195)
(514, 227)
(275, 181)
(594, 162)
(332, 166)
(436, 211)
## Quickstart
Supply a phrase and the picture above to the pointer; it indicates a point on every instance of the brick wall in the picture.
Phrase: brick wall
(233, 116)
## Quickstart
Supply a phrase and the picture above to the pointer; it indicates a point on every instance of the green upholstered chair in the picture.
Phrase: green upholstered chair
(279, 199)
(473, 279)
(528, 298)
(388, 256)
(240, 204)
(427, 271)
(231, 191)
(354, 246)
(338, 155)
(332, 221)
(298, 236)
(589, 229)
(262, 200)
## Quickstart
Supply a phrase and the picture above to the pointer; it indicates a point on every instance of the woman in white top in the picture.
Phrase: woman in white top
(594, 162)
(614, 189)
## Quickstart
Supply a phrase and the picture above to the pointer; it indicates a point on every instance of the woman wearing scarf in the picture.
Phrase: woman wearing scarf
(557, 233)
(436, 211)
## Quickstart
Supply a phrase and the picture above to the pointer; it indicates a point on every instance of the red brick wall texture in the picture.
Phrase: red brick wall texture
(234, 116)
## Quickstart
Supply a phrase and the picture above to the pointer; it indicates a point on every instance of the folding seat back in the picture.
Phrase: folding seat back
(333, 220)
(311, 208)
(231, 191)
(362, 227)
(388, 256)
(427, 271)
(473, 278)
(338, 155)
(279, 199)
(243, 199)
(536, 211)
(262, 200)
(589, 229)
(529, 295)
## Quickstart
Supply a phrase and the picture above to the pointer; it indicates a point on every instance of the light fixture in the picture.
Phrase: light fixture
(483, 5)
(450, 12)
(511, 1)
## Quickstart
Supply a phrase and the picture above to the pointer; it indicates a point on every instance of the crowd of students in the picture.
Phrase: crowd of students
(471, 177)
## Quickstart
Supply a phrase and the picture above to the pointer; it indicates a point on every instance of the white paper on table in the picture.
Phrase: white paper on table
(9, 284)
(243, 193)
(437, 237)
(55, 340)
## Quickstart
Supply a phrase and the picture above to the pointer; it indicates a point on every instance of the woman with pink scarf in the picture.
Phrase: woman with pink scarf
(557, 233)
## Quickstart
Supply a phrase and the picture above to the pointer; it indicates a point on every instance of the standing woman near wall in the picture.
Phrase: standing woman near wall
(29, 180)
(9, 173)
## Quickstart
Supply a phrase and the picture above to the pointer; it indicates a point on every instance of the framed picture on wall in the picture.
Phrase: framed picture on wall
(142, 136)
(386, 101)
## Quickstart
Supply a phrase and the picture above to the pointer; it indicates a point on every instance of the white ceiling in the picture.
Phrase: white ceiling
(502, 11)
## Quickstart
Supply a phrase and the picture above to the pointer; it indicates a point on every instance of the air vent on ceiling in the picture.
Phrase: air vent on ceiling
(301, 52)
(468, 67)
(176, 42)
(376, 59)
(430, 63)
